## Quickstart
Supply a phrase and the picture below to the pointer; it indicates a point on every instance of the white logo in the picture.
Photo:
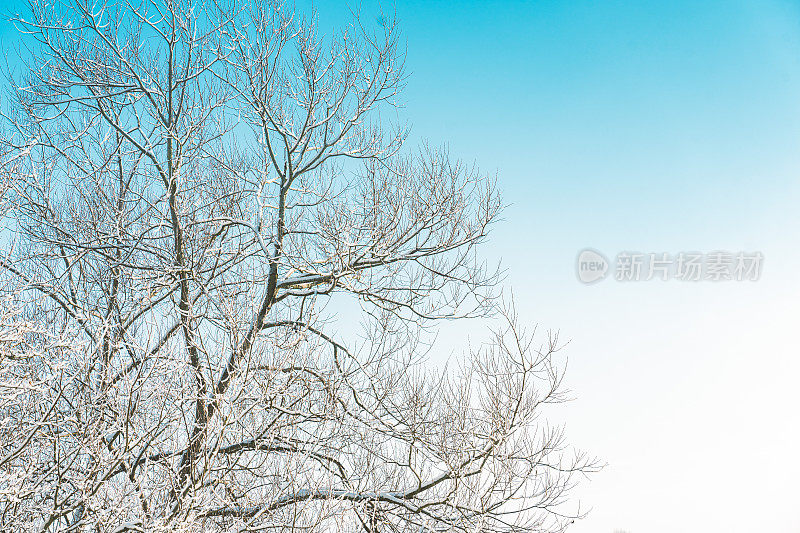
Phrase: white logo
(592, 266)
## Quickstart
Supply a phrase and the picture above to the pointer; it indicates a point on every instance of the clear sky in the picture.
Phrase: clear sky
(657, 127)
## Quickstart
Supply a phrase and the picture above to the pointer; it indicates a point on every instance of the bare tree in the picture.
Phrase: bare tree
(223, 269)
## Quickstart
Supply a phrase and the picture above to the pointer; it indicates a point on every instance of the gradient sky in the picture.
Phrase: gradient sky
(650, 126)
(658, 127)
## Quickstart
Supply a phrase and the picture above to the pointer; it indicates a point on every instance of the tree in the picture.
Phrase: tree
(203, 198)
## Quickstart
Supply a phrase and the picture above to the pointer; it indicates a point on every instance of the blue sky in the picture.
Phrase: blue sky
(658, 127)
(651, 126)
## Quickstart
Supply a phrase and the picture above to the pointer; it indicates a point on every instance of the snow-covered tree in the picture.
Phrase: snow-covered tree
(222, 273)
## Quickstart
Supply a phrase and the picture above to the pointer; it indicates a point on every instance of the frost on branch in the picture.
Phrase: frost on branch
(224, 272)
